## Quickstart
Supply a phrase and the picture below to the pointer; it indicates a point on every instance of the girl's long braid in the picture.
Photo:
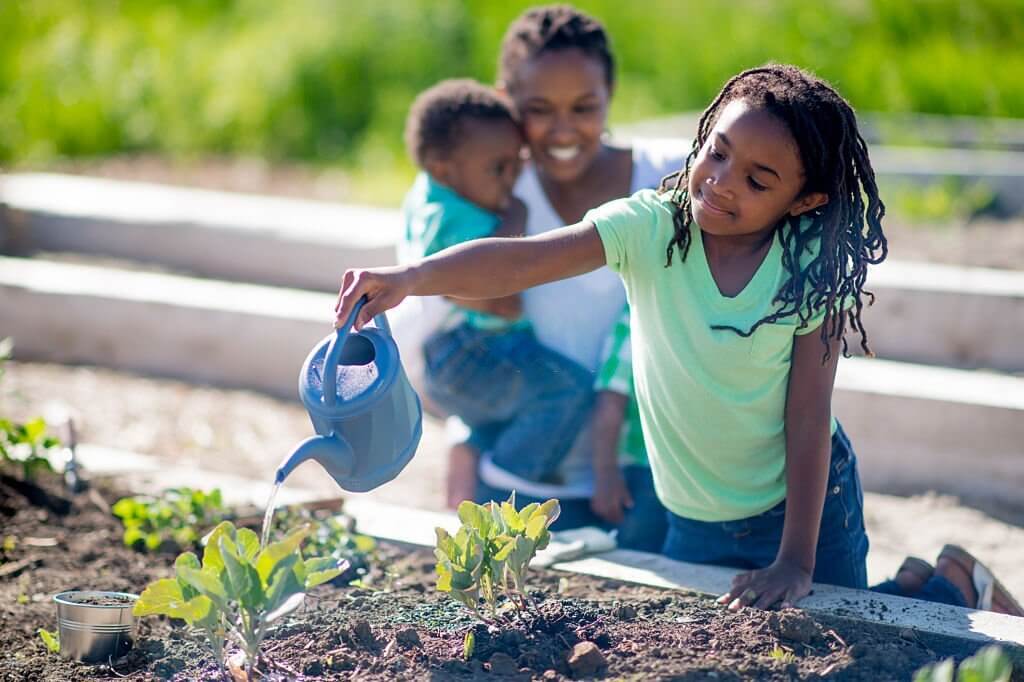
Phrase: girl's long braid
(836, 162)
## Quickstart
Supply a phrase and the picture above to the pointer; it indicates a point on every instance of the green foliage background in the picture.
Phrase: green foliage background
(329, 81)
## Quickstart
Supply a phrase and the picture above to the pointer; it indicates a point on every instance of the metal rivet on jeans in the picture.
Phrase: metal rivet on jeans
(835, 490)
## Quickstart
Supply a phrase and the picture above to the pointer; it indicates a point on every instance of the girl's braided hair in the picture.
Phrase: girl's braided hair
(550, 28)
(835, 161)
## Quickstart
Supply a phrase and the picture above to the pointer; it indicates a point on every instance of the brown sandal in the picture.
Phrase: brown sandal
(919, 568)
(992, 595)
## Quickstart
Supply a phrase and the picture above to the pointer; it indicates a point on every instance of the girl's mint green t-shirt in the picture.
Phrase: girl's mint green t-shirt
(712, 402)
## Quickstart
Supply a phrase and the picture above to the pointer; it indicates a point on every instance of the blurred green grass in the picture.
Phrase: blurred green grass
(328, 82)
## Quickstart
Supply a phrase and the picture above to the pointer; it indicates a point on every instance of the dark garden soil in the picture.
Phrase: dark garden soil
(395, 626)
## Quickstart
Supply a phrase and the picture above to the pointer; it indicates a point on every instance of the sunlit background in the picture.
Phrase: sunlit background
(325, 85)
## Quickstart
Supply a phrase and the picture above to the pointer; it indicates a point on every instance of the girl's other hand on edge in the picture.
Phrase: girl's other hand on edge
(384, 288)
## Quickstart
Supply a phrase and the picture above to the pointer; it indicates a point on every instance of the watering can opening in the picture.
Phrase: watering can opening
(358, 350)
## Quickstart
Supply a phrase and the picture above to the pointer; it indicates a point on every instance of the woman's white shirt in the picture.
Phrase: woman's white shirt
(574, 316)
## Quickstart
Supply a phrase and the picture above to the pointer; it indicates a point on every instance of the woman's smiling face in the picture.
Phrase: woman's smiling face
(562, 97)
(748, 174)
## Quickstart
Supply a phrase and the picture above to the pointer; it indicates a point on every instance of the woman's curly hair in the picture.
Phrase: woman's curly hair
(550, 28)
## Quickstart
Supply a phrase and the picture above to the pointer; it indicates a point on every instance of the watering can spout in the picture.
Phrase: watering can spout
(331, 452)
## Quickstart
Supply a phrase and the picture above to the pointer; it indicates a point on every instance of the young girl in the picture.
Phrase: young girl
(742, 277)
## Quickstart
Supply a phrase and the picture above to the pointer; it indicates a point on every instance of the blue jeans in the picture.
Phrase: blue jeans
(643, 527)
(753, 542)
(936, 589)
(539, 398)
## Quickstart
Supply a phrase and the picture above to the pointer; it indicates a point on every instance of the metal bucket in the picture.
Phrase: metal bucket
(94, 633)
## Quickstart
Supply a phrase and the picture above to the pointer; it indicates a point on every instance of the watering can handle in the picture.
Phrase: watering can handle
(333, 355)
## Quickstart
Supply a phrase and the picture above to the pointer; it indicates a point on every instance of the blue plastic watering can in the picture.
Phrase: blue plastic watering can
(367, 417)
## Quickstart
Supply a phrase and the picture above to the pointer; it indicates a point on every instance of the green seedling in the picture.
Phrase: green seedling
(239, 590)
(990, 664)
(491, 551)
(333, 535)
(178, 515)
(25, 445)
(50, 639)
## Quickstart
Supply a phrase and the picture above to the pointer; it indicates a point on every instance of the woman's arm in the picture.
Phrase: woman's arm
(483, 268)
(611, 494)
(808, 448)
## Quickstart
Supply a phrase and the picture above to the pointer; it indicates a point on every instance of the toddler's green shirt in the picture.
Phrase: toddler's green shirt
(437, 217)
(712, 402)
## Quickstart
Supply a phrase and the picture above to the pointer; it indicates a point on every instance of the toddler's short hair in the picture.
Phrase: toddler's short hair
(437, 114)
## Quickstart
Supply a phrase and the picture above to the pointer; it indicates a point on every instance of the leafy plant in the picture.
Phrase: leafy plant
(491, 551)
(178, 515)
(239, 589)
(50, 639)
(333, 535)
(989, 664)
(23, 445)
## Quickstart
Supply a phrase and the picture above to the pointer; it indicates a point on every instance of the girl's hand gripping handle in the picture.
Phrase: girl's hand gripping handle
(383, 288)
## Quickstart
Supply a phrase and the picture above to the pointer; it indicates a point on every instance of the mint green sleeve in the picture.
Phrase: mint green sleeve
(625, 225)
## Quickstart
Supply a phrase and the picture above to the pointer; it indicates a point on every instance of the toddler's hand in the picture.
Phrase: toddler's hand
(611, 495)
(782, 581)
(384, 288)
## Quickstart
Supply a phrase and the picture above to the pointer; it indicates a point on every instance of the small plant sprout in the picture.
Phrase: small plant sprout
(782, 655)
(24, 445)
(491, 551)
(238, 590)
(990, 664)
(178, 515)
(50, 639)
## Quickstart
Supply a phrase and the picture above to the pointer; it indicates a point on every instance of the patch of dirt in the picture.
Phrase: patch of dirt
(395, 626)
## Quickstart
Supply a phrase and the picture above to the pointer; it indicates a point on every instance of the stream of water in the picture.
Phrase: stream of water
(268, 515)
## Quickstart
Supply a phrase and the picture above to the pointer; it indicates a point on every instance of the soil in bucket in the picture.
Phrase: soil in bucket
(104, 600)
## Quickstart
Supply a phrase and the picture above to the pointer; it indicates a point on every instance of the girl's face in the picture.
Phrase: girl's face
(563, 98)
(748, 174)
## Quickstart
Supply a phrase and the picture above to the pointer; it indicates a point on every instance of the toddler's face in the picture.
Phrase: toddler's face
(485, 163)
(748, 174)
(563, 99)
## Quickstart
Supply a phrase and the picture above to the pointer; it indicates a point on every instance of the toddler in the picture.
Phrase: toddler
(485, 364)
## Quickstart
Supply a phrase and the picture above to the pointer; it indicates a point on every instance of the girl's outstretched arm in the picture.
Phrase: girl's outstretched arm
(483, 268)
(808, 449)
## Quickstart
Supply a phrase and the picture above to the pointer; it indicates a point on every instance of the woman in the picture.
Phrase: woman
(557, 66)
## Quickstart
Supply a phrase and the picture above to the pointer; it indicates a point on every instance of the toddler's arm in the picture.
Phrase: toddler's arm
(483, 268)
(513, 224)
